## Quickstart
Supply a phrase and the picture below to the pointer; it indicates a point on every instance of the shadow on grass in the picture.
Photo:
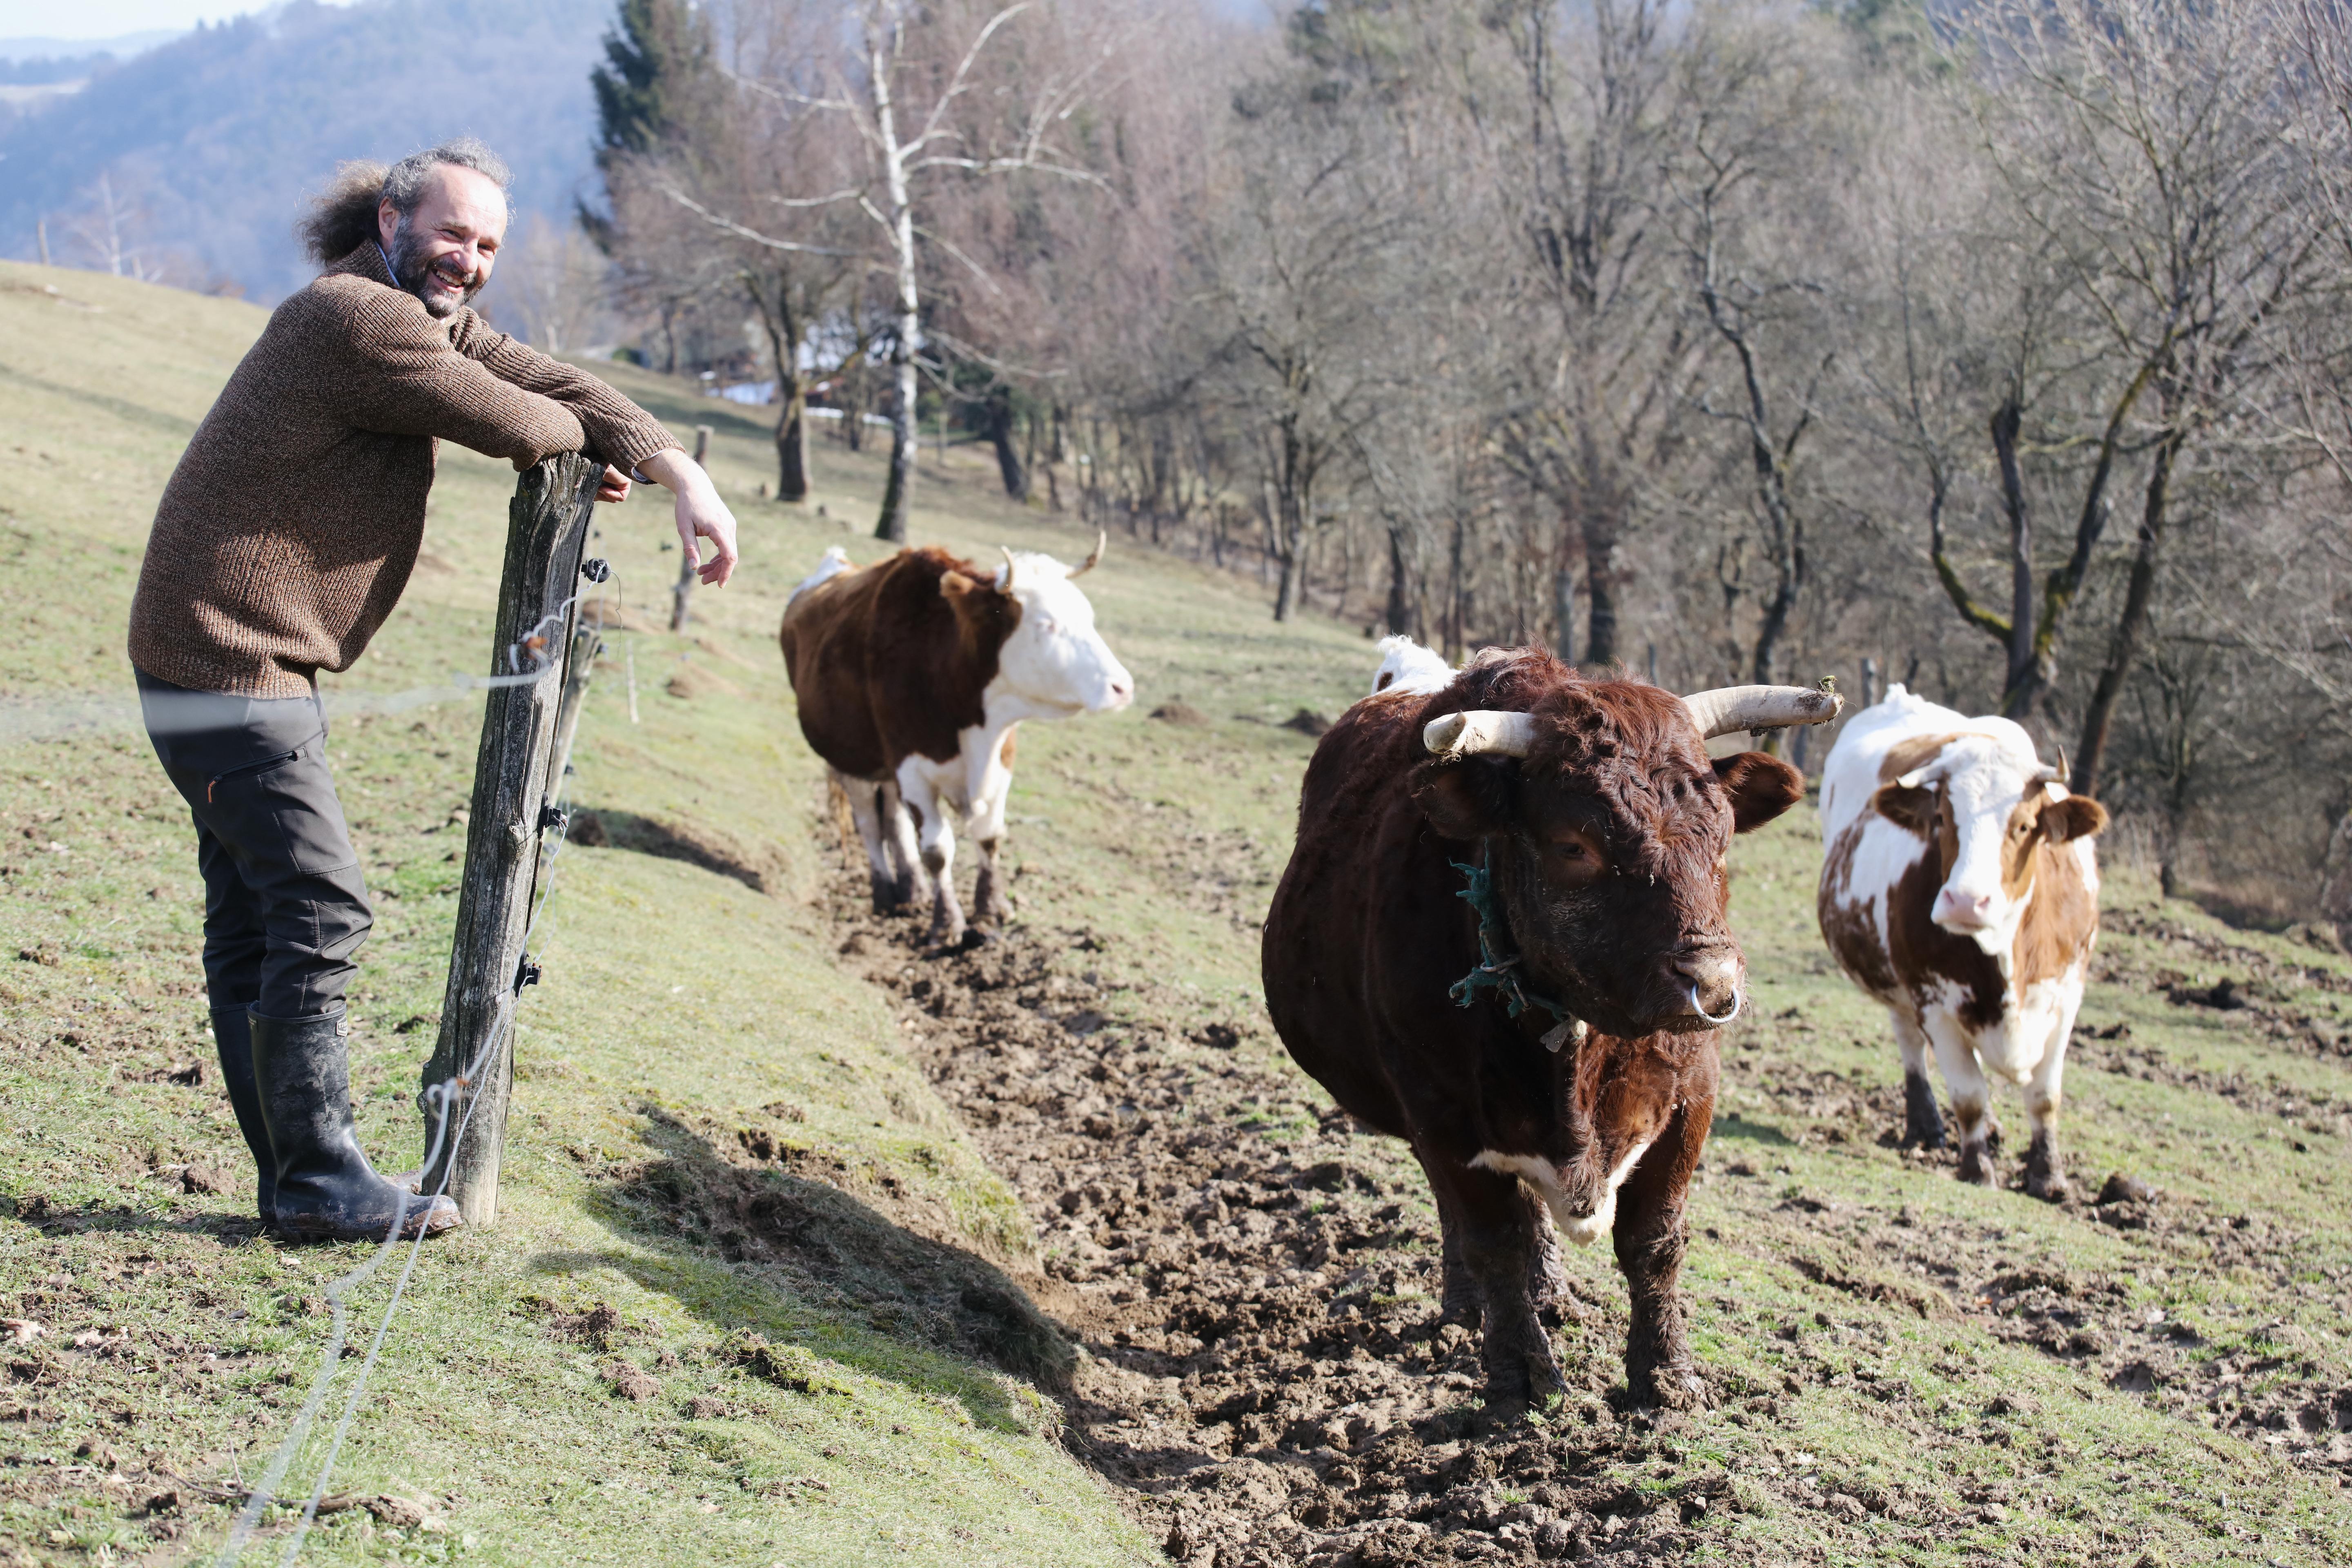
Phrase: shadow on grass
(885, 1301)
(601, 828)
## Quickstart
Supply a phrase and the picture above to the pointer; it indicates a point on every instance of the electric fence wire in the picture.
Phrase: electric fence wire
(24, 721)
(442, 1094)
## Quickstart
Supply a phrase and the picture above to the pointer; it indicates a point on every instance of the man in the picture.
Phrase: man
(281, 544)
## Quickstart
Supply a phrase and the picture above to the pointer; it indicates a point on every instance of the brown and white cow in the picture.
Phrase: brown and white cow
(910, 675)
(1960, 889)
(1595, 810)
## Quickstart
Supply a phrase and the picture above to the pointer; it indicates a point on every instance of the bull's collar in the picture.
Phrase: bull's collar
(1498, 960)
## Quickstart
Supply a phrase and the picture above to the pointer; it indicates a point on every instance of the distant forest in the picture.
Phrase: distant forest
(187, 165)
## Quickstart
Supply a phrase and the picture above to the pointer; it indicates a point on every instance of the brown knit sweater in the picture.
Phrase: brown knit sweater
(291, 524)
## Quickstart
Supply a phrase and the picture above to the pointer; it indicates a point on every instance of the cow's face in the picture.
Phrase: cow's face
(1608, 842)
(1987, 807)
(1055, 658)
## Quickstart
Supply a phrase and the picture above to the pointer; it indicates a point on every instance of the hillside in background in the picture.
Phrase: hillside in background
(209, 144)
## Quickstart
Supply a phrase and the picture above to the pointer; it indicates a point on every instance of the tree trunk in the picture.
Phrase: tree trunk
(1600, 587)
(2022, 685)
(1402, 621)
(896, 495)
(1000, 436)
(792, 445)
(1563, 611)
(2091, 755)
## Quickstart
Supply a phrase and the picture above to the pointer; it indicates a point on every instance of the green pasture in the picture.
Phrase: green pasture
(1882, 1337)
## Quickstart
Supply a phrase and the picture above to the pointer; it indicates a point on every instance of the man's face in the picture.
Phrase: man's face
(443, 252)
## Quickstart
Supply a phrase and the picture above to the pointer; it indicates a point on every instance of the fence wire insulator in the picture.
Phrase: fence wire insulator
(596, 569)
(526, 973)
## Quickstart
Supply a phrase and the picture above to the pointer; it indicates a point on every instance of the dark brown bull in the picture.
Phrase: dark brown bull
(1603, 825)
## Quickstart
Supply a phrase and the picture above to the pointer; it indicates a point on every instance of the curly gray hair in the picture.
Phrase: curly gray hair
(344, 217)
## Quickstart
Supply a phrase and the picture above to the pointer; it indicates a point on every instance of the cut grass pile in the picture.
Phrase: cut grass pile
(622, 1373)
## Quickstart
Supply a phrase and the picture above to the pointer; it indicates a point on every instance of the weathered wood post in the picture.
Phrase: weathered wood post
(514, 779)
(685, 589)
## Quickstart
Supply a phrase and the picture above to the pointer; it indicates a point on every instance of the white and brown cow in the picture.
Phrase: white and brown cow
(1960, 887)
(910, 675)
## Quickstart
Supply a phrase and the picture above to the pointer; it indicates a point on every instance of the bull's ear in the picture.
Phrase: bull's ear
(1908, 806)
(1466, 800)
(2077, 817)
(1761, 787)
(955, 585)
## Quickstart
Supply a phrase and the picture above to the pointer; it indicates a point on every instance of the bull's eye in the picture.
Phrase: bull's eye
(1571, 860)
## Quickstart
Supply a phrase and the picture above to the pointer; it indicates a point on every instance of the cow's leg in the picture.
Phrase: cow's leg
(1922, 1124)
(937, 838)
(898, 830)
(866, 810)
(2045, 1170)
(990, 784)
(989, 904)
(1458, 1294)
(1972, 1102)
(1493, 1211)
(1650, 1237)
(1546, 1279)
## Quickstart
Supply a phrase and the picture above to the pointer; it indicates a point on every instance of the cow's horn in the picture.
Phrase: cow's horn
(1102, 537)
(1008, 567)
(1482, 730)
(1728, 709)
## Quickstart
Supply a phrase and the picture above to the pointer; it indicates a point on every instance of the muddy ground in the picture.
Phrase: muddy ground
(1253, 1281)
(1256, 1286)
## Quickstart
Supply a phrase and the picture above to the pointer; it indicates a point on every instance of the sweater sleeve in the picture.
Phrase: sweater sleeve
(620, 432)
(390, 367)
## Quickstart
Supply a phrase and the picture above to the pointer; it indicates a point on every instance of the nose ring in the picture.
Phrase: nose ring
(1737, 998)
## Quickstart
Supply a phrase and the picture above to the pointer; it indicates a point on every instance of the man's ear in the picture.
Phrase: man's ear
(1761, 787)
(2077, 817)
(386, 220)
(1907, 806)
(1466, 800)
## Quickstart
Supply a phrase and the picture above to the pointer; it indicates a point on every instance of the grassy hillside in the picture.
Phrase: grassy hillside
(799, 1188)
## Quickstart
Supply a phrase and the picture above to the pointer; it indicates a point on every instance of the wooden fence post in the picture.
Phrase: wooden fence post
(685, 589)
(514, 780)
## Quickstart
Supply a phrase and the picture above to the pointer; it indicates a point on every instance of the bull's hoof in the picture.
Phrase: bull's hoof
(1672, 1385)
(1976, 1166)
(1521, 1381)
(1923, 1123)
(888, 899)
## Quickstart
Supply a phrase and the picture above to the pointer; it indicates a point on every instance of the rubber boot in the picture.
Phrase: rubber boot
(233, 1038)
(327, 1191)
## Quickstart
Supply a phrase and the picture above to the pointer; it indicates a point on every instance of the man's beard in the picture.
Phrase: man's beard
(411, 269)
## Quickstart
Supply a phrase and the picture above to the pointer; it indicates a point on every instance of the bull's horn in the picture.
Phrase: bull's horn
(1728, 709)
(2048, 773)
(1102, 537)
(1008, 567)
(1482, 730)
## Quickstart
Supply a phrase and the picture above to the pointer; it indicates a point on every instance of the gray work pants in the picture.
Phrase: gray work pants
(285, 911)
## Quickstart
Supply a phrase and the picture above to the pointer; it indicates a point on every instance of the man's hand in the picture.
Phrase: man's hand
(700, 512)
(614, 488)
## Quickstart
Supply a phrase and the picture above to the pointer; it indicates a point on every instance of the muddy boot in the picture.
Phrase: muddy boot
(233, 1040)
(327, 1191)
(1922, 1124)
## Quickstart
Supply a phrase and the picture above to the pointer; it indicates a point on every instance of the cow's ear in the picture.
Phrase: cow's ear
(2077, 817)
(1761, 787)
(1908, 806)
(1465, 800)
(955, 585)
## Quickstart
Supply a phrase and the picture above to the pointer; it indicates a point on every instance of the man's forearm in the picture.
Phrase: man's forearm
(675, 472)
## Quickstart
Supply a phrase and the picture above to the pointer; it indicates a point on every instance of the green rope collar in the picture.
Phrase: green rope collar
(1496, 965)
